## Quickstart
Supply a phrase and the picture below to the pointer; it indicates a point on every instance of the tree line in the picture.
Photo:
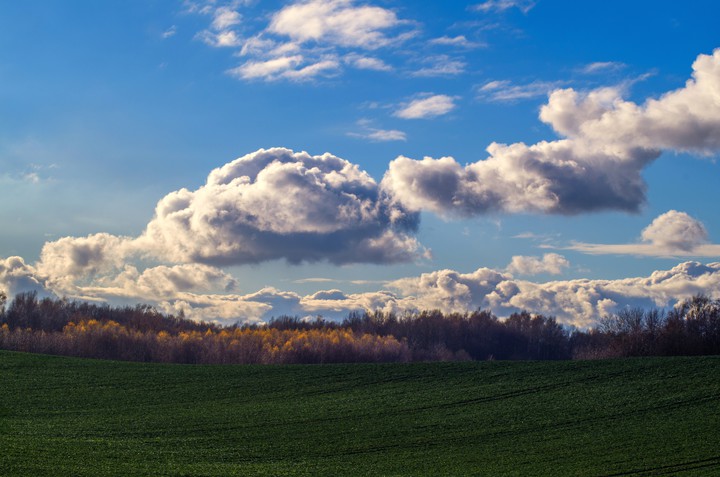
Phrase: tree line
(141, 333)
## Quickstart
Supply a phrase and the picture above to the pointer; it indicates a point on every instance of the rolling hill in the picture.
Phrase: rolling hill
(75, 417)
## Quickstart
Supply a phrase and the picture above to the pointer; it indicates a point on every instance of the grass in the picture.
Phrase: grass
(63, 416)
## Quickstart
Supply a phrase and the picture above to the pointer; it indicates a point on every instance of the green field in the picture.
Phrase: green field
(63, 416)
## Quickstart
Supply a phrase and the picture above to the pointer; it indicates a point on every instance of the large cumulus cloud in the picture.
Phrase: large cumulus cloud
(607, 143)
(280, 204)
(269, 204)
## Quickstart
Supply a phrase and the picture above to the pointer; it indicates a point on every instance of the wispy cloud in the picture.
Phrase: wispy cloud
(367, 131)
(429, 106)
(381, 135)
(294, 68)
(223, 39)
(315, 280)
(367, 63)
(497, 6)
(602, 67)
(440, 65)
(459, 41)
(224, 18)
(170, 32)
(504, 90)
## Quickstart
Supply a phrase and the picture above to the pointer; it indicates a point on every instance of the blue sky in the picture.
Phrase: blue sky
(605, 196)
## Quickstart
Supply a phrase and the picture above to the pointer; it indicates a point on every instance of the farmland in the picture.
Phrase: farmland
(646, 416)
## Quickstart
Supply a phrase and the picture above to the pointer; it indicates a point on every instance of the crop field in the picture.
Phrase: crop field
(73, 417)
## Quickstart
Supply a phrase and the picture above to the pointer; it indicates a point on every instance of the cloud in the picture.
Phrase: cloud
(336, 22)
(268, 205)
(70, 259)
(224, 18)
(32, 177)
(325, 67)
(672, 234)
(576, 302)
(440, 65)
(381, 135)
(294, 68)
(378, 135)
(222, 39)
(497, 6)
(686, 119)
(602, 67)
(16, 276)
(675, 230)
(306, 40)
(504, 90)
(221, 33)
(280, 204)
(202, 293)
(166, 282)
(367, 63)
(269, 69)
(324, 36)
(459, 41)
(386, 135)
(550, 263)
(170, 32)
(543, 178)
(607, 143)
(427, 107)
(314, 280)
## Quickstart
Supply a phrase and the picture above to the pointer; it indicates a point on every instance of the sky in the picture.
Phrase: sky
(238, 160)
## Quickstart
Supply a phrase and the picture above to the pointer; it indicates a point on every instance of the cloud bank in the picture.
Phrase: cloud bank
(574, 302)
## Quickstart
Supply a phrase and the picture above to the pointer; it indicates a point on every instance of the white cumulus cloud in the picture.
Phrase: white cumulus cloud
(672, 234)
(551, 263)
(675, 230)
(334, 21)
